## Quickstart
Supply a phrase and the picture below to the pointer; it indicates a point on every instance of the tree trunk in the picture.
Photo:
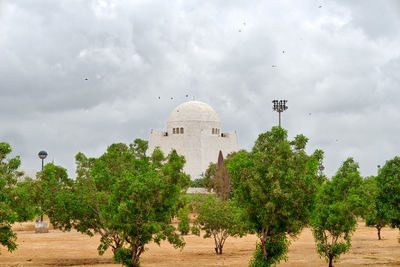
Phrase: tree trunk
(330, 261)
(263, 242)
(379, 232)
(218, 249)
(135, 256)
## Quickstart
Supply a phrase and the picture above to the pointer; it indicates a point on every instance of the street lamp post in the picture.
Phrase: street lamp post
(42, 155)
(321, 168)
(279, 106)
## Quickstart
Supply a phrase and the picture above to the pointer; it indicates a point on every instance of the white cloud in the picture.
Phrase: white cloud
(79, 75)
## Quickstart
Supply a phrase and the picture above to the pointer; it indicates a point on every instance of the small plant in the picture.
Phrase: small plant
(183, 217)
(219, 219)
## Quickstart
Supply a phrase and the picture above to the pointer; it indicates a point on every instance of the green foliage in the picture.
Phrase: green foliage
(123, 255)
(199, 182)
(334, 218)
(277, 250)
(372, 210)
(125, 196)
(275, 184)
(209, 175)
(15, 199)
(219, 219)
(388, 196)
(183, 217)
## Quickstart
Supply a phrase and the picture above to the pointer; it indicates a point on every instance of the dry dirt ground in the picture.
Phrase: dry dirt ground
(58, 248)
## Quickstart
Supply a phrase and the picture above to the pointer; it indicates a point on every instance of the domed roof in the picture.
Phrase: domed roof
(193, 111)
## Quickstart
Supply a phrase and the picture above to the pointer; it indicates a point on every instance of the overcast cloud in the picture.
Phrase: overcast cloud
(78, 75)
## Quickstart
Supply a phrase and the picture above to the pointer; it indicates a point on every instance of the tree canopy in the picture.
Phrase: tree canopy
(334, 217)
(219, 219)
(15, 197)
(125, 196)
(388, 194)
(275, 184)
(372, 211)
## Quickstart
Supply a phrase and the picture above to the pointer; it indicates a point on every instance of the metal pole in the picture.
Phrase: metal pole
(41, 216)
(279, 118)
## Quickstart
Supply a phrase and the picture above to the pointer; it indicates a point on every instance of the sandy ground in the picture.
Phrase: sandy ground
(58, 248)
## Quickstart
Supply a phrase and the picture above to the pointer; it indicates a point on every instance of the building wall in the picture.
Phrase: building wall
(198, 146)
(211, 145)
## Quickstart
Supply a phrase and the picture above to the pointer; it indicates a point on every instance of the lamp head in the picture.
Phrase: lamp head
(42, 154)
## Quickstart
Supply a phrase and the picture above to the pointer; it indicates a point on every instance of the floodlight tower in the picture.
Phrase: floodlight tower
(279, 106)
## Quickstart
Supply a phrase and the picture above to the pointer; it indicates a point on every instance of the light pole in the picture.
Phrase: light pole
(321, 168)
(279, 106)
(42, 155)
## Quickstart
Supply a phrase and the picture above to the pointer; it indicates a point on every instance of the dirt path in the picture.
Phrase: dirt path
(57, 248)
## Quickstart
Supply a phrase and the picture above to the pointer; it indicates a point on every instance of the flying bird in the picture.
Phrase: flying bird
(159, 97)
(240, 30)
(274, 66)
(187, 95)
(172, 98)
(283, 51)
(319, 6)
(86, 79)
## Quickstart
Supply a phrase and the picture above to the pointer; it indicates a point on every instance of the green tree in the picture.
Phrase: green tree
(15, 200)
(199, 182)
(183, 217)
(275, 185)
(219, 219)
(209, 176)
(388, 196)
(125, 196)
(372, 213)
(333, 220)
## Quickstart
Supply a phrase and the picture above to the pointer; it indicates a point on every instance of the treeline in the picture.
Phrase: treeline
(273, 191)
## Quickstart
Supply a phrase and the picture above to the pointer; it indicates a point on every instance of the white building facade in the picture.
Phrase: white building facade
(194, 131)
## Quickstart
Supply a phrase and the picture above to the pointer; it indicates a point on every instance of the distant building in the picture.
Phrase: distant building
(194, 131)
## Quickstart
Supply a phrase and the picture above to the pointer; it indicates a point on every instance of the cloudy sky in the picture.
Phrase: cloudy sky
(79, 75)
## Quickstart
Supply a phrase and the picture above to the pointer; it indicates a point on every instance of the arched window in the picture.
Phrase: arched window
(181, 130)
(213, 130)
(173, 130)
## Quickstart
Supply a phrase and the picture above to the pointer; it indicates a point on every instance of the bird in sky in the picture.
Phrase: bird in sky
(319, 6)
(187, 95)
(274, 66)
(86, 79)
(159, 97)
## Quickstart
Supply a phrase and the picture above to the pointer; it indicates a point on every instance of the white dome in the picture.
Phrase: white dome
(194, 111)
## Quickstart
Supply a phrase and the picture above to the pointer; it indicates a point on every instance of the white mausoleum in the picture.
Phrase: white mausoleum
(194, 131)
